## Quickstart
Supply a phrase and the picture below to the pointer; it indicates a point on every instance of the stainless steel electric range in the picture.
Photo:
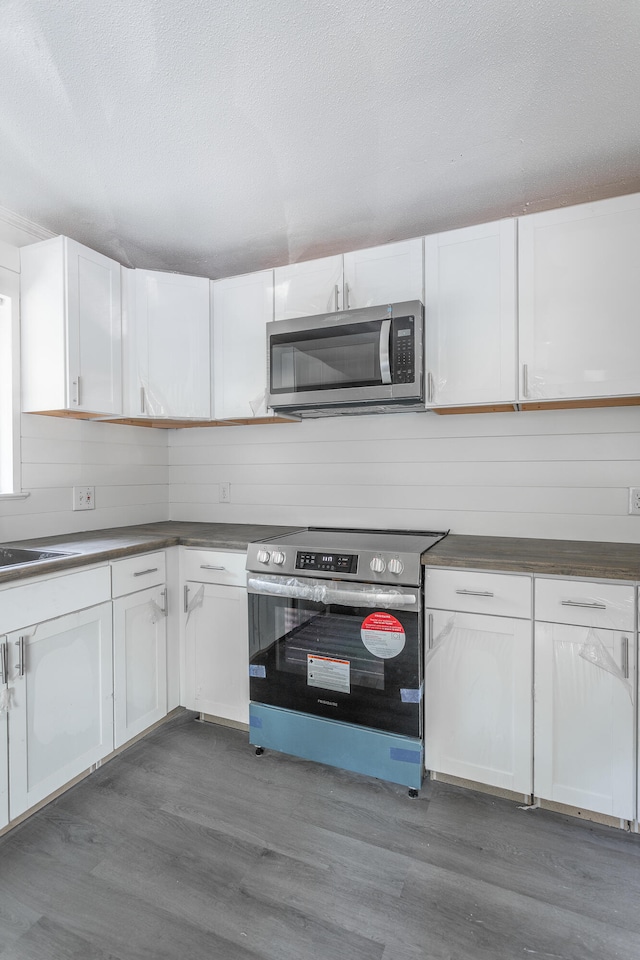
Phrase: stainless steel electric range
(335, 648)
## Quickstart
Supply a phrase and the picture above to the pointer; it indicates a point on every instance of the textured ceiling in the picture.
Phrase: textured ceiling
(217, 137)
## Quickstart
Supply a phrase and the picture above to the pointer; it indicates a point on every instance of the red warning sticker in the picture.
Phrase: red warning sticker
(383, 635)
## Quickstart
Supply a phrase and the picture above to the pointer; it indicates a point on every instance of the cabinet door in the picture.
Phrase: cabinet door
(388, 274)
(4, 754)
(217, 651)
(61, 716)
(140, 662)
(470, 315)
(173, 351)
(579, 291)
(94, 330)
(71, 328)
(241, 308)
(305, 289)
(478, 699)
(584, 718)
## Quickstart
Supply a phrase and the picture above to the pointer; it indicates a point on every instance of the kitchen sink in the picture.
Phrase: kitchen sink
(16, 557)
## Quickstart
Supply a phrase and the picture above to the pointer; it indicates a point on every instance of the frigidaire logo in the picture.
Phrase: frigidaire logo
(329, 703)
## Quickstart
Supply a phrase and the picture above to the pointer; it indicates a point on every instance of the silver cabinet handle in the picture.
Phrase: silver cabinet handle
(4, 663)
(21, 663)
(476, 593)
(142, 573)
(347, 297)
(525, 380)
(335, 291)
(429, 631)
(210, 566)
(186, 598)
(583, 603)
(76, 391)
(385, 359)
(430, 387)
(164, 607)
(142, 403)
(625, 657)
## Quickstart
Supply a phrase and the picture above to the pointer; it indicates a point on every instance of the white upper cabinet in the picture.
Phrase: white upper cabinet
(388, 274)
(470, 315)
(71, 329)
(241, 308)
(168, 347)
(305, 289)
(579, 280)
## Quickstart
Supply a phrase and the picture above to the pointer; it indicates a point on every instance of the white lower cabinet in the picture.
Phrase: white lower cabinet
(140, 662)
(61, 708)
(217, 651)
(584, 719)
(216, 645)
(478, 700)
(4, 742)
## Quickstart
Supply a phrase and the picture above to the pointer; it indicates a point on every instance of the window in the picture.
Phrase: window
(9, 385)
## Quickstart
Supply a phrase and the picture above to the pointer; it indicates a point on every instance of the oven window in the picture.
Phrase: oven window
(347, 356)
(333, 637)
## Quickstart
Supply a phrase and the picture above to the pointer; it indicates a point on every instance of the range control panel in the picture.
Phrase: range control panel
(329, 562)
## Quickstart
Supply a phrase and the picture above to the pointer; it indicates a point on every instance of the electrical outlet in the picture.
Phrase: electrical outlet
(634, 501)
(83, 498)
(225, 492)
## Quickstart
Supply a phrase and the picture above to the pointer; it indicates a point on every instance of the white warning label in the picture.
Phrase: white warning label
(383, 635)
(329, 673)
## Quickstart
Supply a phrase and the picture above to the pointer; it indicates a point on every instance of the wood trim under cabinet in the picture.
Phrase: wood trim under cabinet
(162, 424)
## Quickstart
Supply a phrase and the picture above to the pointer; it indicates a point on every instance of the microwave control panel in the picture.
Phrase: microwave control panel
(328, 562)
(403, 350)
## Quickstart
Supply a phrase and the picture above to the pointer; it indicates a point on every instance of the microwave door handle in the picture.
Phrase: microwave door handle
(385, 358)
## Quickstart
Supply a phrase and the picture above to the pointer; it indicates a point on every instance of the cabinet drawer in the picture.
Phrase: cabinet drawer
(499, 594)
(46, 598)
(214, 566)
(585, 603)
(137, 573)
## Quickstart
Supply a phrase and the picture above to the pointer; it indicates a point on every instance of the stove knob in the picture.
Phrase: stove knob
(263, 556)
(396, 566)
(378, 565)
(277, 557)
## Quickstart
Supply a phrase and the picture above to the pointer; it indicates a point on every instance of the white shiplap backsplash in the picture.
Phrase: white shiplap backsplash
(557, 474)
(126, 465)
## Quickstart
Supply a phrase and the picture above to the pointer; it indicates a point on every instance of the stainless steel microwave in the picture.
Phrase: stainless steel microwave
(353, 361)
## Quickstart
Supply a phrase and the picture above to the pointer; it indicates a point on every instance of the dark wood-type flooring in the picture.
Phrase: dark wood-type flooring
(189, 847)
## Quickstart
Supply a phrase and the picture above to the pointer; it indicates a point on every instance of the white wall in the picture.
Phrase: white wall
(127, 466)
(557, 474)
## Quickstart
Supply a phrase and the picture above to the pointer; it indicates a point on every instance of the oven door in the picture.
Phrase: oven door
(346, 651)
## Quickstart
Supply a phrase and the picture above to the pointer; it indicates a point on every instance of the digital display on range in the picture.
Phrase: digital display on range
(329, 562)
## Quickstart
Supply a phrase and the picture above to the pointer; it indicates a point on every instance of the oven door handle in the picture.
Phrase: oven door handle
(332, 593)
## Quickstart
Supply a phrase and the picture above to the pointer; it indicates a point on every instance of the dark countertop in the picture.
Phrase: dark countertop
(95, 546)
(564, 558)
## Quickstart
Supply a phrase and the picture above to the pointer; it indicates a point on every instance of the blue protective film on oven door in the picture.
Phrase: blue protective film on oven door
(408, 695)
(257, 671)
(406, 756)
(375, 753)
